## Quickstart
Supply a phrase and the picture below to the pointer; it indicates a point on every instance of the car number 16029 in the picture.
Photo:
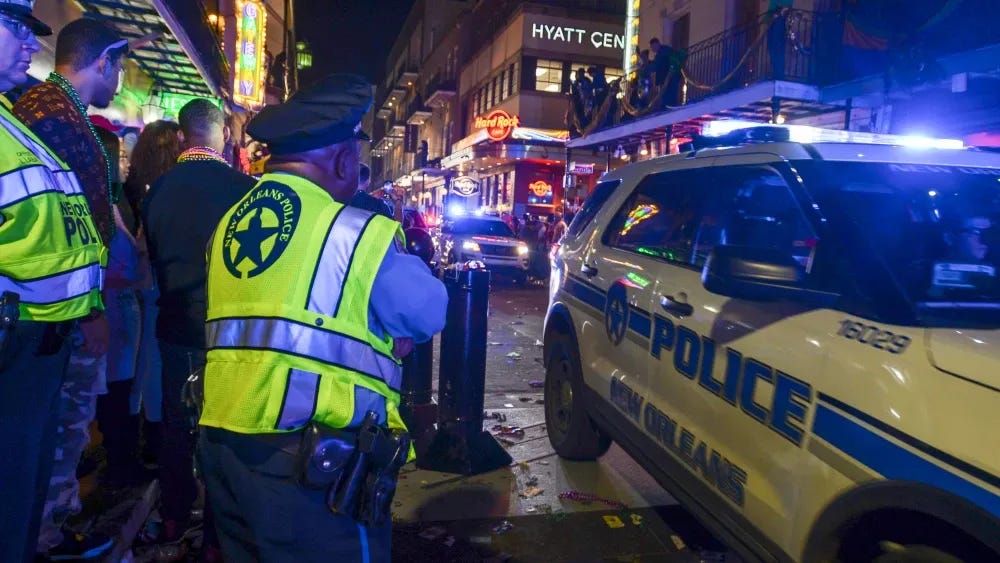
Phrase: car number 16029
(873, 336)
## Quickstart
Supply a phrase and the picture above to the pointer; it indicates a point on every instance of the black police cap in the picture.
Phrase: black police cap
(326, 113)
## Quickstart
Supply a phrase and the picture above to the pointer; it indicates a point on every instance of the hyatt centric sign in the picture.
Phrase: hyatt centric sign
(573, 35)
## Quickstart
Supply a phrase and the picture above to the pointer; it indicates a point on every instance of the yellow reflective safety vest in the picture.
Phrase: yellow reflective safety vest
(50, 252)
(290, 277)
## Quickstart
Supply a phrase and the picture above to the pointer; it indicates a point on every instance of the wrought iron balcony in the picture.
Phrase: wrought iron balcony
(796, 46)
(396, 128)
(440, 91)
(417, 113)
(407, 76)
(823, 50)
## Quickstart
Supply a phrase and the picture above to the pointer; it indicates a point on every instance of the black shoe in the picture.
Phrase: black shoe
(80, 547)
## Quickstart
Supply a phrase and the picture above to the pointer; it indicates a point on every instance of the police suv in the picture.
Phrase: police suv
(796, 332)
(486, 239)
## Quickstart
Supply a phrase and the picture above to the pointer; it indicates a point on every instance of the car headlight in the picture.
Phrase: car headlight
(470, 245)
(522, 249)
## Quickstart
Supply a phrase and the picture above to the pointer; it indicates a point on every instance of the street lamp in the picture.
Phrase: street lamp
(303, 56)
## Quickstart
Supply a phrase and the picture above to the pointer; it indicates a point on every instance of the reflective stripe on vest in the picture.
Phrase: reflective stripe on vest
(51, 255)
(57, 287)
(341, 243)
(18, 185)
(282, 335)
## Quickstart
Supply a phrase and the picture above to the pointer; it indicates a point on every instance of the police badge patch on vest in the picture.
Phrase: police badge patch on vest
(260, 229)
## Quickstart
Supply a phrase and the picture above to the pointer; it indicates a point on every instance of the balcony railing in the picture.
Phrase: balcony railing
(417, 112)
(817, 48)
(440, 90)
(793, 45)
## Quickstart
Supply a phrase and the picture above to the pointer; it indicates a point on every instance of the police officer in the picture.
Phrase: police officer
(50, 265)
(311, 305)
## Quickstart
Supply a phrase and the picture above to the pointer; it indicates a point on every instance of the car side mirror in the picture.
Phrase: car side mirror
(759, 274)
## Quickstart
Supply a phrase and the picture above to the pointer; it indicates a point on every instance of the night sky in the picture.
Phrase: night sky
(349, 35)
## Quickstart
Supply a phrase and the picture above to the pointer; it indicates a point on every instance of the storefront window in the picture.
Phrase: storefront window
(513, 78)
(548, 75)
(503, 86)
(613, 74)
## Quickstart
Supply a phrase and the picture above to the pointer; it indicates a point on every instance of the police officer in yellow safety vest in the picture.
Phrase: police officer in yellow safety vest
(311, 306)
(50, 276)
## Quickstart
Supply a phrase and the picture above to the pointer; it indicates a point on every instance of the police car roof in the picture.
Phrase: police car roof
(823, 150)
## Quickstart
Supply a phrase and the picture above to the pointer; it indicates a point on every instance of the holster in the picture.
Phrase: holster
(324, 455)
(357, 469)
(9, 314)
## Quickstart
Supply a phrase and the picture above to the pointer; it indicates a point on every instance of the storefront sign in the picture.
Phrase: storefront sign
(498, 124)
(577, 35)
(251, 26)
(540, 188)
(172, 103)
(581, 168)
(464, 186)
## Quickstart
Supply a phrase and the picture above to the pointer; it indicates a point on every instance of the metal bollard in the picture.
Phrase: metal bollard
(459, 444)
(417, 405)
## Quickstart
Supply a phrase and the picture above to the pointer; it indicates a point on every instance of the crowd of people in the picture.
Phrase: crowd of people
(108, 304)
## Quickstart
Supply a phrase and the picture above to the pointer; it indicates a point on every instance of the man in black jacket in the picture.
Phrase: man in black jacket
(180, 212)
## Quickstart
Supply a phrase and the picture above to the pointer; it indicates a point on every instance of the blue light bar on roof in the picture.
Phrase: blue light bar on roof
(807, 134)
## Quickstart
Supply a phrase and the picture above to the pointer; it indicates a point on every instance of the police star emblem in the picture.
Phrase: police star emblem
(260, 229)
(616, 313)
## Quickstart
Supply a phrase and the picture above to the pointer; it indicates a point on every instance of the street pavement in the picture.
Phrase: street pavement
(530, 511)
(524, 512)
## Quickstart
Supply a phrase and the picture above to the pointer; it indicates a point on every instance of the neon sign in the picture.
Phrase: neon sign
(631, 59)
(540, 188)
(251, 29)
(499, 124)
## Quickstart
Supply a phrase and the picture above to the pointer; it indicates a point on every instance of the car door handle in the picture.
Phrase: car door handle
(676, 306)
(589, 271)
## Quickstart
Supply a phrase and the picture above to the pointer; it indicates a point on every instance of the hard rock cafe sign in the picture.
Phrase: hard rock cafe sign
(540, 188)
(499, 125)
(464, 186)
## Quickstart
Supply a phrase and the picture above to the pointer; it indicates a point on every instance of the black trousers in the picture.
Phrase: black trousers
(29, 409)
(178, 486)
(262, 514)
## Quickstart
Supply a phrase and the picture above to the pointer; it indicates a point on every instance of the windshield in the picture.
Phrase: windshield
(487, 227)
(935, 227)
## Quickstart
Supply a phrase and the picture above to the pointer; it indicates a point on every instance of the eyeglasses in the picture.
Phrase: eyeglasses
(20, 30)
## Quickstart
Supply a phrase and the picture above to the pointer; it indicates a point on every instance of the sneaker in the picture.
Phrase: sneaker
(80, 547)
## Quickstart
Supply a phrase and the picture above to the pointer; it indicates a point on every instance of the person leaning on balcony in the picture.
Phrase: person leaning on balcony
(776, 10)
(51, 260)
(299, 349)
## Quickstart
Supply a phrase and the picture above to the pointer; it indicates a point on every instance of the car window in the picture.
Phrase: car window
(489, 227)
(681, 216)
(591, 206)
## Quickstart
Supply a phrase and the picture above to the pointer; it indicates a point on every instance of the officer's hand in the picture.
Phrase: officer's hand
(95, 336)
(401, 347)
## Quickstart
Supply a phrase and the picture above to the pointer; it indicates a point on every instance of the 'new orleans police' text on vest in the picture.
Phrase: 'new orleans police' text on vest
(289, 282)
(50, 253)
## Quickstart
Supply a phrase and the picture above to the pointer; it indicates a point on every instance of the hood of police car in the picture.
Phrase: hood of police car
(970, 353)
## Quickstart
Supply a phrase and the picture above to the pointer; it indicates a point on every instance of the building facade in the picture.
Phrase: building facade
(479, 121)
(886, 66)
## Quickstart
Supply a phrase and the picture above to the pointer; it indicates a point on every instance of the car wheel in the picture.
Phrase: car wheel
(571, 431)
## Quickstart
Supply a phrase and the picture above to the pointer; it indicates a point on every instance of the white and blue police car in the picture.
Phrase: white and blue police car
(795, 331)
